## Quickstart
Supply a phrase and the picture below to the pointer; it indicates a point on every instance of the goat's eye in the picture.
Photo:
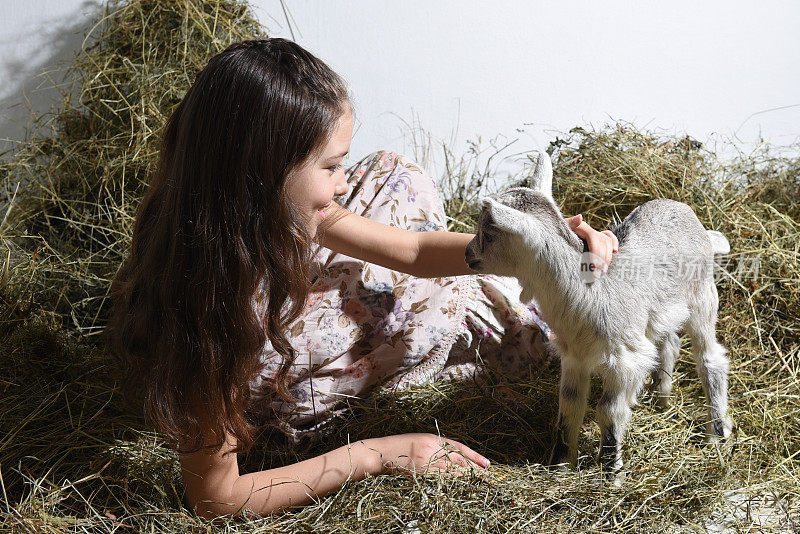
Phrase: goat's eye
(488, 237)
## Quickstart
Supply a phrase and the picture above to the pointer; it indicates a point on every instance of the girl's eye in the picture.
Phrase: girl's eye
(335, 167)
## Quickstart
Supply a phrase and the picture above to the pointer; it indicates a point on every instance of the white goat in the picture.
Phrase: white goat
(622, 325)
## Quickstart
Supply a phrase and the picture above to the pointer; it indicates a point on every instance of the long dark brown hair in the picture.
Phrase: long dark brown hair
(216, 237)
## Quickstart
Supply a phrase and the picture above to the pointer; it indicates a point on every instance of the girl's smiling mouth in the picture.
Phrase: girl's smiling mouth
(321, 212)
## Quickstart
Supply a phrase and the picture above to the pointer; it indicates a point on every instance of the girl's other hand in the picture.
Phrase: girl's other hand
(601, 244)
(427, 453)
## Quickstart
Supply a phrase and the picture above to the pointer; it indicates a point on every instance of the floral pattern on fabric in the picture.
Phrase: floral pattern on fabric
(499, 332)
(364, 325)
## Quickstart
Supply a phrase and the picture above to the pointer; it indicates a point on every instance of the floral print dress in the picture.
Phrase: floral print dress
(366, 326)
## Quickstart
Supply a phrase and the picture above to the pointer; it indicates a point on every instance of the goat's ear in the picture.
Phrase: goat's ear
(542, 177)
(502, 216)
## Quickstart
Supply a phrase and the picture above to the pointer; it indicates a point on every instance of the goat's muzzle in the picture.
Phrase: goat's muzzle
(472, 263)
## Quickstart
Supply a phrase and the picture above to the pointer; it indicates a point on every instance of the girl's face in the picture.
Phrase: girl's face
(313, 186)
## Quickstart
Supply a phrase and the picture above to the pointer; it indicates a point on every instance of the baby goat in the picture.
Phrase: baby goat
(622, 325)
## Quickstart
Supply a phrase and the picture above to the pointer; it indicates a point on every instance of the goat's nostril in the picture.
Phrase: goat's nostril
(473, 264)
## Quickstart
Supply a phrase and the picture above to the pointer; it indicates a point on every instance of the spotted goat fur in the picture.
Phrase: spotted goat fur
(623, 325)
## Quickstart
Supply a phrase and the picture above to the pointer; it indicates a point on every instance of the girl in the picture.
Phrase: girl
(266, 284)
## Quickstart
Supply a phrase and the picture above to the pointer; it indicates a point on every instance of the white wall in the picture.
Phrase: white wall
(712, 69)
(37, 38)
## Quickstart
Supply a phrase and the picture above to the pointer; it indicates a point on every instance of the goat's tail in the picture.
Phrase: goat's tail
(719, 243)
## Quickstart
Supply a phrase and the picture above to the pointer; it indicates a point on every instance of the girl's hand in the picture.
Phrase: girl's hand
(601, 244)
(427, 453)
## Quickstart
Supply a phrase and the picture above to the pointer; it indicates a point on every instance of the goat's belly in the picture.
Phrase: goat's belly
(664, 321)
(630, 356)
(588, 353)
(618, 357)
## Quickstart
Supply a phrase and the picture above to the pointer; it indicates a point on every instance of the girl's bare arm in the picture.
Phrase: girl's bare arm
(426, 254)
(215, 488)
(374, 242)
(441, 254)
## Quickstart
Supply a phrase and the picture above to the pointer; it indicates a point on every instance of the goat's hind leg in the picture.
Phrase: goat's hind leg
(712, 367)
(572, 393)
(668, 353)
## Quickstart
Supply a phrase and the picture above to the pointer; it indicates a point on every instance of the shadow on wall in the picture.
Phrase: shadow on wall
(30, 79)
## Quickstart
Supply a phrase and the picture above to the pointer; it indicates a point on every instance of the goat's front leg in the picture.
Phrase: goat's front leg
(613, 413)
(621, 387)
(572, 393)
(622, 383)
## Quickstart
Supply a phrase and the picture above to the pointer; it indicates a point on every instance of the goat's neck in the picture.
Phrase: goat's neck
(554, 280)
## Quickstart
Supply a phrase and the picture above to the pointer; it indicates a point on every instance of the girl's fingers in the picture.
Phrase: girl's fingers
(465, 453)
(474, 457)
(601, 252)
(601, 244)
(454, 463)
(605, 246)
(614, 240)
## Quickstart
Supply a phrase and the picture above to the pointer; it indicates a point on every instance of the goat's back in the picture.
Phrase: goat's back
(665, 257)
(662, 226)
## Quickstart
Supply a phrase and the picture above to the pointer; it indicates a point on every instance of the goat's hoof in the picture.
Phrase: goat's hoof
(614, 477)
(722, 433)
(721, 429)
(663, 401)
(560, 463)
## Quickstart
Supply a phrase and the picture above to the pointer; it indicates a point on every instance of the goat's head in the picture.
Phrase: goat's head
(512, 225)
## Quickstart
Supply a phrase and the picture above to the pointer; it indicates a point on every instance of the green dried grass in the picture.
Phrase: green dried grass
(71, 459)
(87, 163)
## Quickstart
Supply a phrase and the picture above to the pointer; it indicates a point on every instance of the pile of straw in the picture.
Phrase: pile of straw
(72, 459)
(88, 163)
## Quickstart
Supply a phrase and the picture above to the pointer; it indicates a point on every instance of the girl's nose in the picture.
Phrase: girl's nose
(341, 185)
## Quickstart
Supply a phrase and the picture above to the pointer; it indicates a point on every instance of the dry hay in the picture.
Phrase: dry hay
(72, 459)
(87, 164)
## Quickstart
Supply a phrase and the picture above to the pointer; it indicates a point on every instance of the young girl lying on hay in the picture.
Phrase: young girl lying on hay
(266, 284)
